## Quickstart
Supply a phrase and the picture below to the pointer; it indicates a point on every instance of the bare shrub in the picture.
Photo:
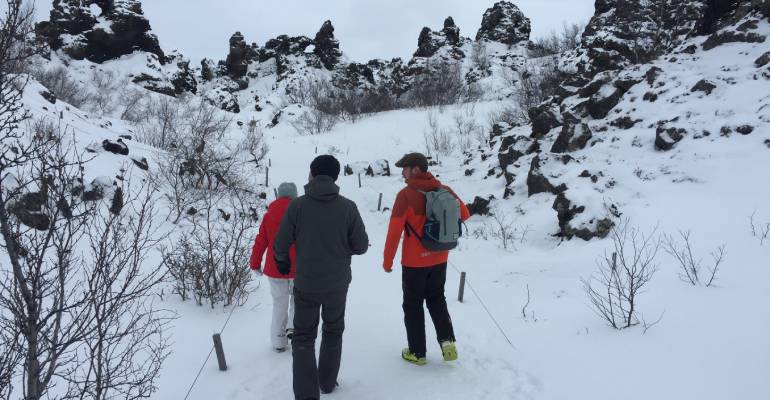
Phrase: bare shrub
(758, 230)
(253, 143)
(622, 275)
(535, 86)
(207, 262)
(504, 229)
(438, 140)
(557, 42)
(690, 268)
(163, 122)
(313, 121)
(508, 114)
(441, 84)
(58, 82)
(480, 58)
(466, 127)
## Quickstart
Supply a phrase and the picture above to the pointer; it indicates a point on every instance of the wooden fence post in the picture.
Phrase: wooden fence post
(461, 294)
(220, 352)
(379, 203)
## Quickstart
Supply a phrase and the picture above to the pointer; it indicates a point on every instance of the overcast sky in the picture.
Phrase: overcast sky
(366, 29)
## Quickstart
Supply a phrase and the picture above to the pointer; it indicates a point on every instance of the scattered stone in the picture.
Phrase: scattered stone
(704, 86)
(625, 122)
(745, 129)
(469, 172)
(115, 147)
(538, 183)
(691, 49)
(767, 143)
(544, 118)
(763, 60)
(726, 131)
(667, 137)
(574, 136)
(650, 96)
(50, 97)
(514, 147)
(720, 38)
(566, 212)
(585, 174)
(652, 75)
(141, 163)
(480, 206)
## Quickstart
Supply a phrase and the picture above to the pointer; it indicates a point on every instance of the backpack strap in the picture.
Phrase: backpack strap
(413, 232)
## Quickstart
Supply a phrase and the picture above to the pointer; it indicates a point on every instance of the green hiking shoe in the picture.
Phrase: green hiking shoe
(449, 350)
(412, 358)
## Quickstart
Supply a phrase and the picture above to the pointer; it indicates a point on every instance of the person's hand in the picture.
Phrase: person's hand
(284, 267)
(387, 269)
(258, 272)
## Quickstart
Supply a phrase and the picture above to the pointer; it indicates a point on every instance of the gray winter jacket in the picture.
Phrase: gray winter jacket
(326, 230)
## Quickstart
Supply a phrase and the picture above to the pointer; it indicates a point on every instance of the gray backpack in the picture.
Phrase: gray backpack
(443, 226)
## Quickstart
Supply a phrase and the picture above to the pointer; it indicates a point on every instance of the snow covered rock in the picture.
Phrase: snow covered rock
(704, 86)
(574, 136)
(514, 147)
(236, 63)
(505, 23)
(430, 41)
(327, 48)
(480, 206)
(667, 136)
(566, 212)
(537, 182)
(117, 147)
(120, 29)
(28, 210)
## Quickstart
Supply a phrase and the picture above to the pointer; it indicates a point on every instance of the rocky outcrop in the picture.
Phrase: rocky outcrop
(430, 41)
(566, 212)
(237, 63)
(504, 23)
(514, 147)
(574, 136)
(666, 136)
(537, 181)
(120, 29)
(480, 206)
(327, 48)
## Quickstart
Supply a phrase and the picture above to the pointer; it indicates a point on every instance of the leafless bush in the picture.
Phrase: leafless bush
(622, 275)
(207, 262)
(439, 85)
(313, 121)
(466, 127)
(438, 140)
(509, 114)
(126, 342)
(80, 290)
(480, 58)
(557, 42)
(163, 122)
(504, 229)
(65, 88)
(535, 86)
(690, 268)
(758, 230)
(253, 143)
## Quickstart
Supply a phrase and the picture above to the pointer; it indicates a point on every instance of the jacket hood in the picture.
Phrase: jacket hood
(322, 188)
(281, 202)
(423, 181)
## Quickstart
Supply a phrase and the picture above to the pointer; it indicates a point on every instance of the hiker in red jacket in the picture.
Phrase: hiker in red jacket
(281, 286)
(424, 271)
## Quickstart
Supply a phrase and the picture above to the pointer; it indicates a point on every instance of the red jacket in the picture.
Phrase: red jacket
(265, 238)
(409, 207)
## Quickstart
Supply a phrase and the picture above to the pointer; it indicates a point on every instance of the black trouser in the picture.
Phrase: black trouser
(308, 376)
(425, 284)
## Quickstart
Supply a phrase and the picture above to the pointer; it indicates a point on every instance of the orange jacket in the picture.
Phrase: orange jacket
(409, 207)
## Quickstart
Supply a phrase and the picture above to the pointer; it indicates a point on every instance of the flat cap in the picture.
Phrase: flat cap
(413, 160)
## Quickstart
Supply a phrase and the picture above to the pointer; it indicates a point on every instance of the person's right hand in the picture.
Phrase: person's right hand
(387, 269)
(258, 272)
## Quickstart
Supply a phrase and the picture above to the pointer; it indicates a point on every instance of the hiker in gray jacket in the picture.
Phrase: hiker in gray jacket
(327, 230)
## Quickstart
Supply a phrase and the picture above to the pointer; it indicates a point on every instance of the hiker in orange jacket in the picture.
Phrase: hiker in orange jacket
(281, 286)
(424, 271)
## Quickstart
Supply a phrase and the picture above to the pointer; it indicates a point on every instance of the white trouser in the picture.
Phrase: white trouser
(283, 310)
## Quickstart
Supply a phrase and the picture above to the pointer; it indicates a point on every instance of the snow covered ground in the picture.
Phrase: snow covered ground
(710, 343)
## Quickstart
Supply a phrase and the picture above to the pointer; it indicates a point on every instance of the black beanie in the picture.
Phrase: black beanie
(325, 165)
